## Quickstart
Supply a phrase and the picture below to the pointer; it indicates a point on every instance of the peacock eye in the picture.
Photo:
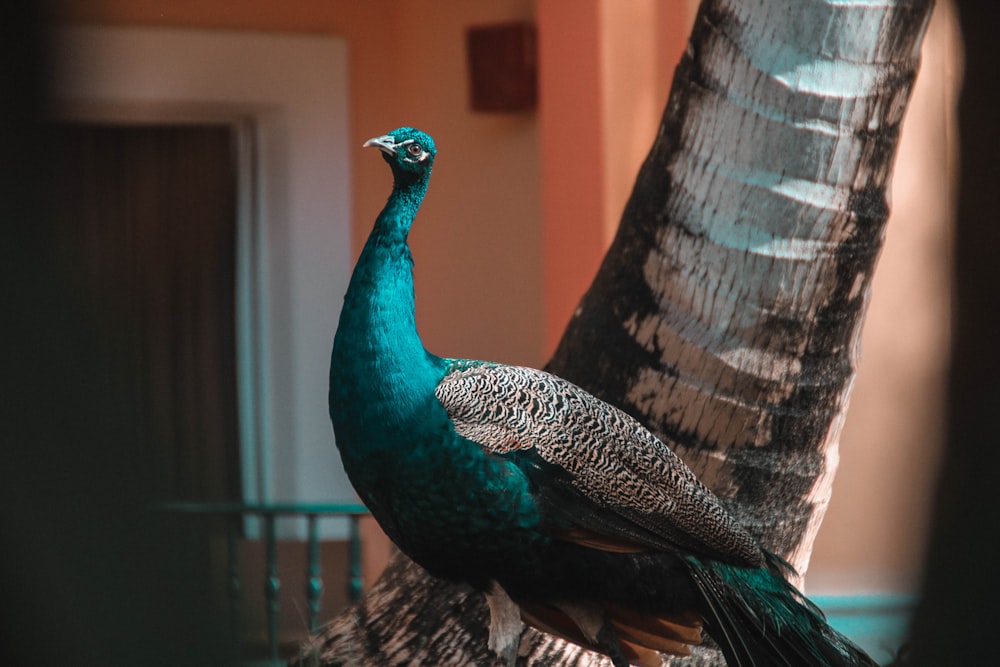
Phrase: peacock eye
(415, 150)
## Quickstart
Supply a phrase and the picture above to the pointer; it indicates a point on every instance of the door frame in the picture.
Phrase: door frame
(285, 97)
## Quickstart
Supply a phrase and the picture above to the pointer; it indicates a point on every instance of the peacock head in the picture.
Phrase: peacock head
(408, 151)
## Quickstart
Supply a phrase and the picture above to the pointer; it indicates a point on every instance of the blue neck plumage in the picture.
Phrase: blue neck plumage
(377, 348)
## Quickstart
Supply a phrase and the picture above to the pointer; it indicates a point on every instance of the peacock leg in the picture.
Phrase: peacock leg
(505, 625)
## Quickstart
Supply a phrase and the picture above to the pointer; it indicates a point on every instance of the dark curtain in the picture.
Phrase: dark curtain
(154, 211)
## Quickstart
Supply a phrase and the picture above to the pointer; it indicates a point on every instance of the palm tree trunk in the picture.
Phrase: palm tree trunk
(726, 315)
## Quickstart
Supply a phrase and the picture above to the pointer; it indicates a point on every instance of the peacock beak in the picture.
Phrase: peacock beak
(386, 143)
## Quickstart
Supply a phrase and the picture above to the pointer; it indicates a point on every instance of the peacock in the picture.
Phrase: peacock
(564, 511)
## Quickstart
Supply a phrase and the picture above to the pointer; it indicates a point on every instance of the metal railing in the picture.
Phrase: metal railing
(269, 514)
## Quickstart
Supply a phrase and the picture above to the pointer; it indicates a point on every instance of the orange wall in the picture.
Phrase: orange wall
(606, 68)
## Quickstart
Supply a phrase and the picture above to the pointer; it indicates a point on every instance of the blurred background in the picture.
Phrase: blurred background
(211, 195)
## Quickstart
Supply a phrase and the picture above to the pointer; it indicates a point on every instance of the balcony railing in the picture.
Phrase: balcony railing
(269, 514)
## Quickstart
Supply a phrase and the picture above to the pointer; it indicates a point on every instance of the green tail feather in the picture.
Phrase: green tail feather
(759, 619)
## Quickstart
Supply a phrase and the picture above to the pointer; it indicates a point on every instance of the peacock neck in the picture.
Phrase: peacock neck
(377, 349)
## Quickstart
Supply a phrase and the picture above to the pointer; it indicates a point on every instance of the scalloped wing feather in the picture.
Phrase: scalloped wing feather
(612, 460)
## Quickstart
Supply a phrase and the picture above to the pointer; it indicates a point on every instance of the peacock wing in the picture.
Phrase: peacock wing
(597, 468)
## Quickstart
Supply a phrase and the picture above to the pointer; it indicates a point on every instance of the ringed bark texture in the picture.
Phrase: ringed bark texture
(726, 315)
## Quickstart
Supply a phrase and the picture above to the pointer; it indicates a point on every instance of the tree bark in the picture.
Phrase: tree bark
(726, 315)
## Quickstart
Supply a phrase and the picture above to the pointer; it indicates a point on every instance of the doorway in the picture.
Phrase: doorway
(152, 211)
